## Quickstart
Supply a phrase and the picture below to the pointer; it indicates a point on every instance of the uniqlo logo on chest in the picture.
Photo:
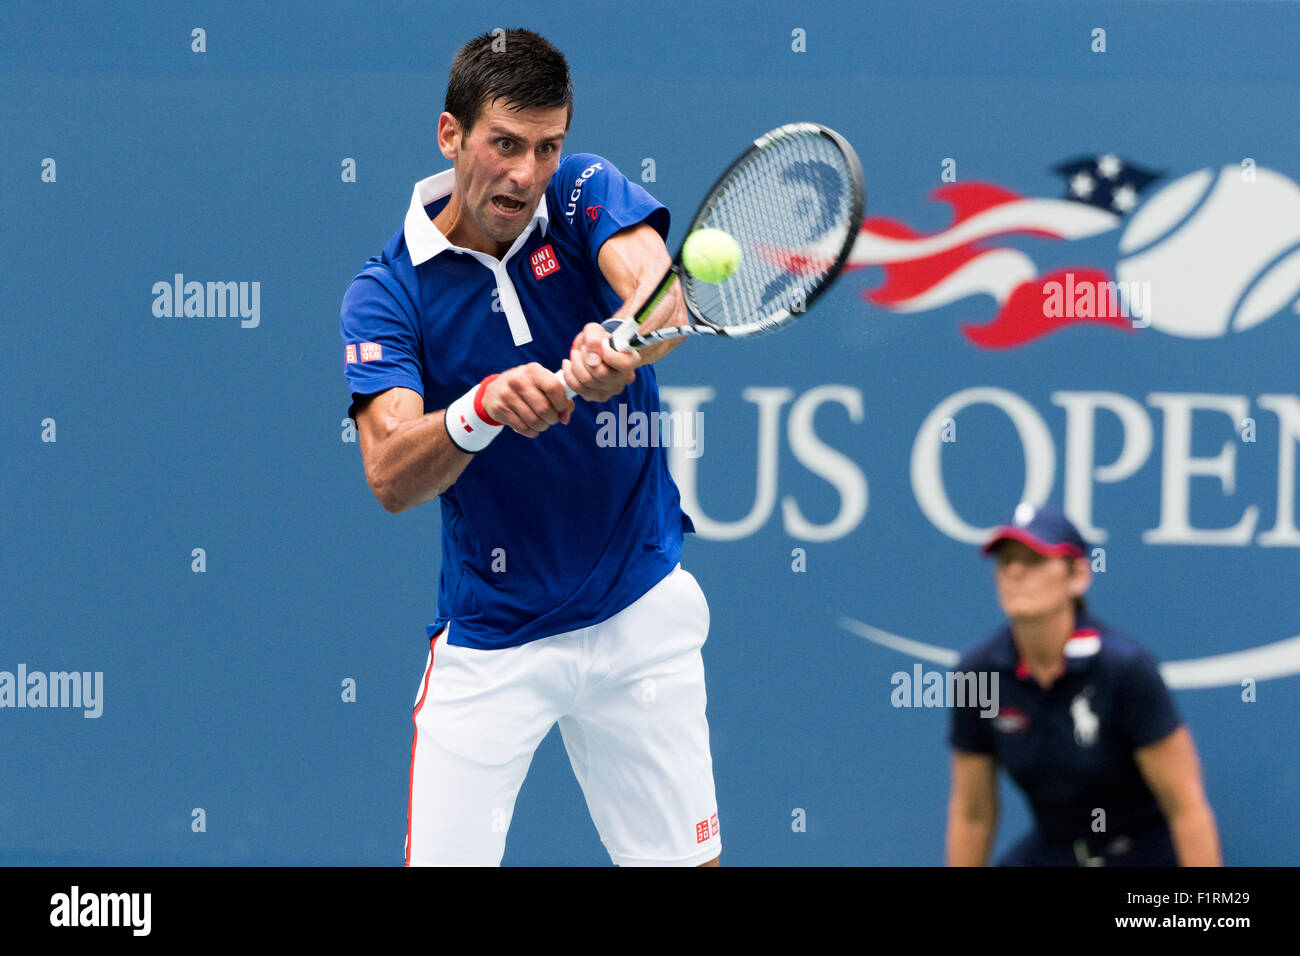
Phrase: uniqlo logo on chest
(351, 355)
(544, 262)
(371, 352)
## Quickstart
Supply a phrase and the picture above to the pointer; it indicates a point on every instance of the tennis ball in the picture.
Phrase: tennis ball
(710, 255)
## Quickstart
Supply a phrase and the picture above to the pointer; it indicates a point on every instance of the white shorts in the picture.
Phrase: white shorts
(628, 694)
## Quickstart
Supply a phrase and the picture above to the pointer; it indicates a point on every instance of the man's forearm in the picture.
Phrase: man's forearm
(633, 262)
(653, 353)
(1195, 837)
(969, 842)
(416, 463)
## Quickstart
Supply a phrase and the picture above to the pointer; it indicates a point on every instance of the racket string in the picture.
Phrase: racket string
(790, 206)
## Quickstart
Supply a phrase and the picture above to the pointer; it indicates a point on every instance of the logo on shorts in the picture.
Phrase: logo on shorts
(351, 356)
(544, 262)
(371, 352)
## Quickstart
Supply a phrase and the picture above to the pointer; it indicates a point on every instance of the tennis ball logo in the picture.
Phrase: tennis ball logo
(1220, 253)
(710, 255)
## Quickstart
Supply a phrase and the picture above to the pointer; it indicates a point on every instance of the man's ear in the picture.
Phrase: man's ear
(1080, 576)
(449, 136)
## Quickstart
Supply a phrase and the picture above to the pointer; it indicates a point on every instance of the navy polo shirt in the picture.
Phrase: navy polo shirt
(1069, 747)
(545, 535)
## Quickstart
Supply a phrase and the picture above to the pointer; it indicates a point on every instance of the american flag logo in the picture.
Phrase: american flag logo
(1011, 720)
(969, 258)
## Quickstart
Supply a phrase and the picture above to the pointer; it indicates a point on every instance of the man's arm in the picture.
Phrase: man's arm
(1173, 772)
(409, 457)
(972, 809)
(633, 260)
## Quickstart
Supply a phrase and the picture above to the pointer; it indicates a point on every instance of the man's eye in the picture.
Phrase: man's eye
(505, 143)
(547, 148)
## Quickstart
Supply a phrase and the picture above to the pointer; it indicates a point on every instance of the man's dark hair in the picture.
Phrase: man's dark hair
(1080, 605)
(517, 66)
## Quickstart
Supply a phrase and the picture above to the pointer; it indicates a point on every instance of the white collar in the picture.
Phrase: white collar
(424, 240)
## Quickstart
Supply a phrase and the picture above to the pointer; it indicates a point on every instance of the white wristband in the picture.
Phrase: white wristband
(467, 421)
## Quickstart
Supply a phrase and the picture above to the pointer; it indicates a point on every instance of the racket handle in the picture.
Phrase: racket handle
(621, 332)
(567, 391)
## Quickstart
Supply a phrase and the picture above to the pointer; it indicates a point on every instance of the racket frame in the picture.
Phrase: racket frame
(627, 338)
(624, 336)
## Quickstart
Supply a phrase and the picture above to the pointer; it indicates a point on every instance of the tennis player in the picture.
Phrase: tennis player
(561, 598)
(1084, 725)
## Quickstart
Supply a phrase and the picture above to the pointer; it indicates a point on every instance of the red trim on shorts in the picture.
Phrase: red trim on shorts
(410, 786)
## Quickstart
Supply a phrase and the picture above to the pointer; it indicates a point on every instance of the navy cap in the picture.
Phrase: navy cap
(1043, 528)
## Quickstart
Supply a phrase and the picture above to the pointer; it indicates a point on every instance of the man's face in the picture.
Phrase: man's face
(503, 166)
(1030, 585)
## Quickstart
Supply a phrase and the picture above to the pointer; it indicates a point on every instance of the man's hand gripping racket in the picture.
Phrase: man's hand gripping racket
(778, 227)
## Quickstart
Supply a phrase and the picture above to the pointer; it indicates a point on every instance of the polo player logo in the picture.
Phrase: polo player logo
(1085, 721)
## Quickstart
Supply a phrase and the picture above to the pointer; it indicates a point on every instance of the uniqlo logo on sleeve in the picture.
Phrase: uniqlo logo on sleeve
(713, 824)
(702, 831)
(371, 352)
(544, 262)
(351, 355)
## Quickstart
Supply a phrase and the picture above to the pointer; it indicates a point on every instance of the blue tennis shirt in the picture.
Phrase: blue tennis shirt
(1069, 747)
(543, 535)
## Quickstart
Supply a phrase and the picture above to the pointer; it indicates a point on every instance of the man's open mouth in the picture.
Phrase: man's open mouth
(507, 204)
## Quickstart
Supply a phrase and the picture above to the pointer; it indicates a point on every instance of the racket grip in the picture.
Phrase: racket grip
(559, 374)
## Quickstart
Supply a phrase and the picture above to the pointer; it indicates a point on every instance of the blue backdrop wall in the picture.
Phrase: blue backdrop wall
(185, 511)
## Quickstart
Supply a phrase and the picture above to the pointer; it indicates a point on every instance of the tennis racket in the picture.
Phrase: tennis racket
(793, 201)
